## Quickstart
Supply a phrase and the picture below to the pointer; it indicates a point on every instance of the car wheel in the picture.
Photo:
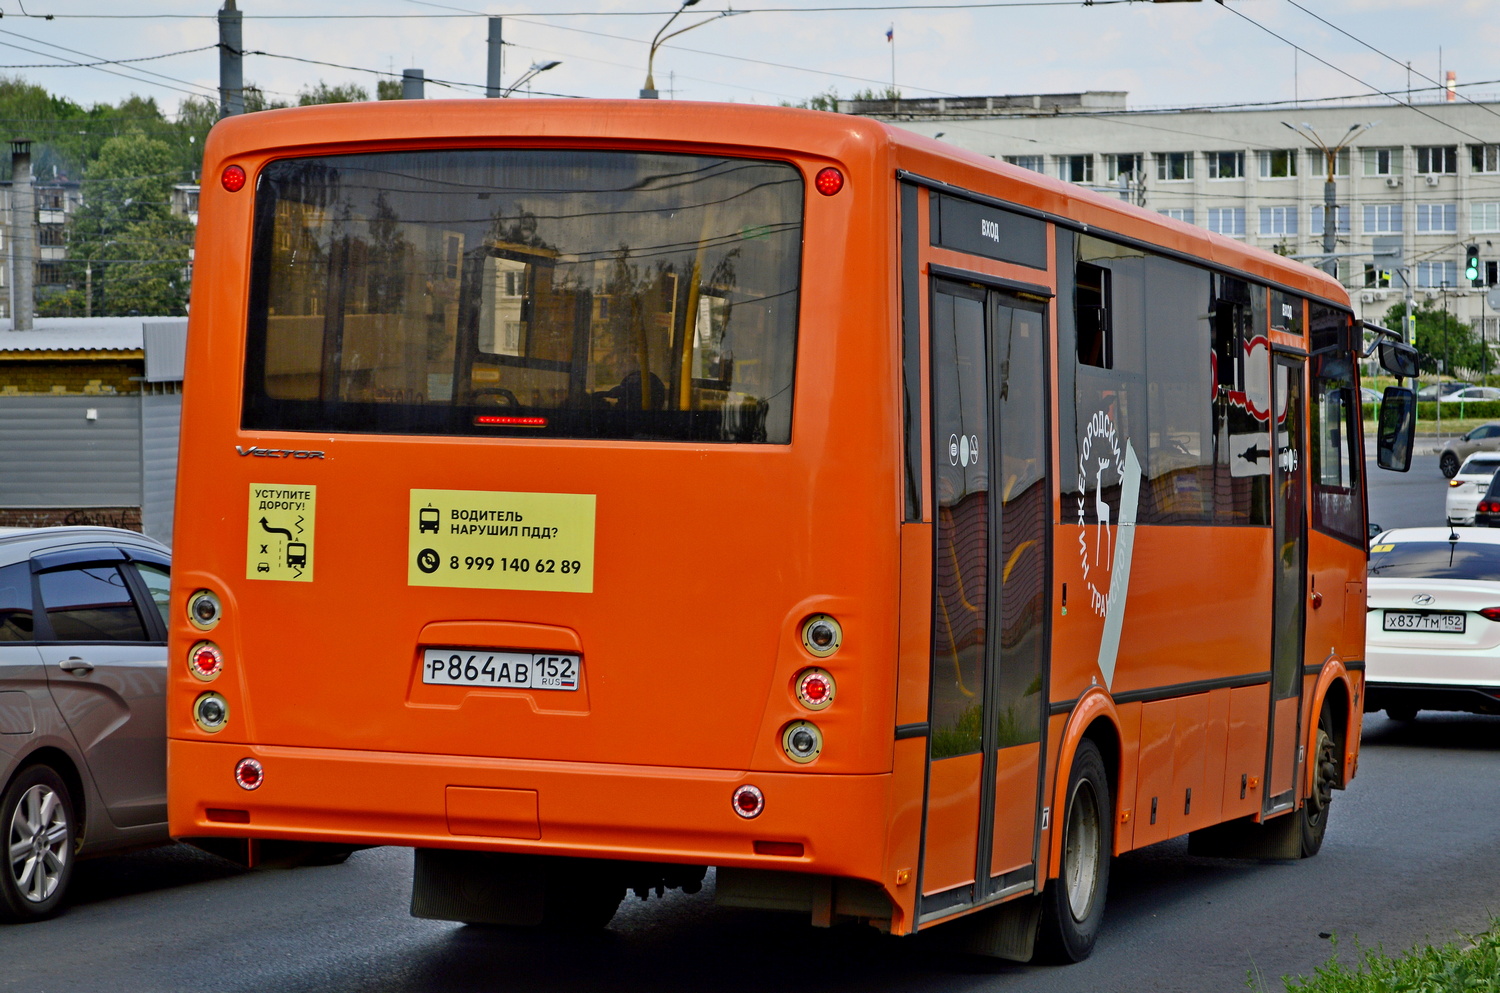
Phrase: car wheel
(1449, 464)
(36, 812)
(1325, 775)
(1073, 903)
(1401, 713)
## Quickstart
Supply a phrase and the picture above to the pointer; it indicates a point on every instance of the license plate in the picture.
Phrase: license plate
(509, 670)
(1440, 622)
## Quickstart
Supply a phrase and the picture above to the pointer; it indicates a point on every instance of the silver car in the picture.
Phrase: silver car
(1485, 438)
(83, 659)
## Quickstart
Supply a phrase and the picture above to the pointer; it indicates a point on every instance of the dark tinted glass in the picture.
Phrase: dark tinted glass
(1435, 560)
(578, 294)
(15, 603)
(90, 603)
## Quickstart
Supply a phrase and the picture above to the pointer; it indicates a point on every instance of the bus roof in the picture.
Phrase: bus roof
(739, 127)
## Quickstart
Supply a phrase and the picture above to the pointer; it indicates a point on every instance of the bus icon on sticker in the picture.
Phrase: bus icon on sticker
(427, 520)
(296, 555)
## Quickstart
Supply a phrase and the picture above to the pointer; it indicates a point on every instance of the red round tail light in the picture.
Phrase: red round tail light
(249, 774)
(814, 688)
(748, 801)
(205, 660)
(828, 181)
(233, 178)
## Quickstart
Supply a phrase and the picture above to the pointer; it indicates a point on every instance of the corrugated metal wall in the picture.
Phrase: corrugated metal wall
(52, 455)
(161, 416)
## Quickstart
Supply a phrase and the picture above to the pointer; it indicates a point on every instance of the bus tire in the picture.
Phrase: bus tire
(40, 840)
(1073, 903)
(1314, 816)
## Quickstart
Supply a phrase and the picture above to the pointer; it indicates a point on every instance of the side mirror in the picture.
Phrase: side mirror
(1399, 359)
(1374, 529)
(1396, 429)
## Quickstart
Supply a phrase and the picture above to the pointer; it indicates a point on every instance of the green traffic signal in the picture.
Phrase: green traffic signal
(1471, 265)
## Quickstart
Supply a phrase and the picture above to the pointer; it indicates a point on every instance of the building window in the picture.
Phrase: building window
(1076, 168)
(1225, 165)
(1033, 162)
(1484, 158)
(1382, 161)
(1315, 220)
(1375, 278)
(1340, 162)
(1184, 214)
(1484, 217)
(50, 235)
(1125, 164)
(1436, 158)
(49, 273)
(1172, 167)
(1227, 220)
(1437, 274)
(49, 199)
(1278, 163)
(1278, 220)
(1437, 218)
(1382, 218)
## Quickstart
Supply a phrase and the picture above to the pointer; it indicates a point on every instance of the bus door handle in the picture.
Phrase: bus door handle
(1317, 599)
(76, 666)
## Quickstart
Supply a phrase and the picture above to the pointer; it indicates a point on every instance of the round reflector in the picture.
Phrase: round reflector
(233, 178)
(211, 712)
(748, 801)
(204, 610)
(814, 688)
(249, 774)
(205, 660)
(802, 741)
(822, 635)
(829, 181)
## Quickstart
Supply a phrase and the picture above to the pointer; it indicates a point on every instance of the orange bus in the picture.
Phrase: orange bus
(586, 494)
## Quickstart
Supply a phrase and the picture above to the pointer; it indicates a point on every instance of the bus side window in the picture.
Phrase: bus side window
(1092, 304)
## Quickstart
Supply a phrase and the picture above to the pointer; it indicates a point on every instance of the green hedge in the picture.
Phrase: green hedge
(1481, 409)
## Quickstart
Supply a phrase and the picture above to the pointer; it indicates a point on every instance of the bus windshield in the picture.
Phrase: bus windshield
(561, 293)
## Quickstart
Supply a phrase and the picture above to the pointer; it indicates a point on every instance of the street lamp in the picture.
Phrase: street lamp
(536, 67)
(648, 92)
(1330, 204)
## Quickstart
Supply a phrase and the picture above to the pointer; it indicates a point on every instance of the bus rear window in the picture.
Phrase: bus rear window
(554, 293)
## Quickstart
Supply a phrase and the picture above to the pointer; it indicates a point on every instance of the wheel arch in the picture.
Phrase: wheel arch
(1334, 693)
(1093, 718)
(62, 763)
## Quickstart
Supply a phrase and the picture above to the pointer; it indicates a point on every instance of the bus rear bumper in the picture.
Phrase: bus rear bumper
(596, 810)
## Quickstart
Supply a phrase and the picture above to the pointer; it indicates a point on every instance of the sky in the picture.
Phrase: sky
(772, 51)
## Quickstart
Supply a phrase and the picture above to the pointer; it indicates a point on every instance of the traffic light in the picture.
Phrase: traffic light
(1471, 265)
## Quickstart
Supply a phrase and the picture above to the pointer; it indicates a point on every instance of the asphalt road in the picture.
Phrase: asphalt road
(1409, 858)
(1408, 499)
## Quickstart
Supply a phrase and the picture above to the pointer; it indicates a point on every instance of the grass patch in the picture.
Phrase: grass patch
(1471, 965)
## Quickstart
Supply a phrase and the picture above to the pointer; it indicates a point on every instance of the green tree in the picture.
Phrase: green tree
(388, 89)
(324, 93)
(124, 242)
(1442, 341)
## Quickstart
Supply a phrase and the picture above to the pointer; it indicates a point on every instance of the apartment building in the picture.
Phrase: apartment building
(1421, 179)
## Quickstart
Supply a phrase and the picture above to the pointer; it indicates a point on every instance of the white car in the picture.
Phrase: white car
(1469, 484)
(1432, 631)
(1473, 394)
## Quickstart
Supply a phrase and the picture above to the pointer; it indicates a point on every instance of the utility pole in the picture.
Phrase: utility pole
(1330, 190)
(496, 61)
(22, 236)
(231, 62)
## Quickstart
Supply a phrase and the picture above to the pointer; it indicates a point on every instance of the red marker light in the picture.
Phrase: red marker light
(233, 178)
(815, 688)
(249, 774)
(511, 422)
(205, 660)
(748, 801)
(829, 181)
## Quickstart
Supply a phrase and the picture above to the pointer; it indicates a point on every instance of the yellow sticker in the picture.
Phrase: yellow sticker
(501, 541)
(1381, 548)
(279, 543)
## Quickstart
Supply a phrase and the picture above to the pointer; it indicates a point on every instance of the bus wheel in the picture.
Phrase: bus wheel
(1073, 903)
(1325, 775)
(36, 817)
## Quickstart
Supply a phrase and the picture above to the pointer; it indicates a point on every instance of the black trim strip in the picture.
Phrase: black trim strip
(998, 282)
(919, 730)
(1197, 686)
(1355, 666)
(1179, 689)
(1068, 222)
(1279, 349)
